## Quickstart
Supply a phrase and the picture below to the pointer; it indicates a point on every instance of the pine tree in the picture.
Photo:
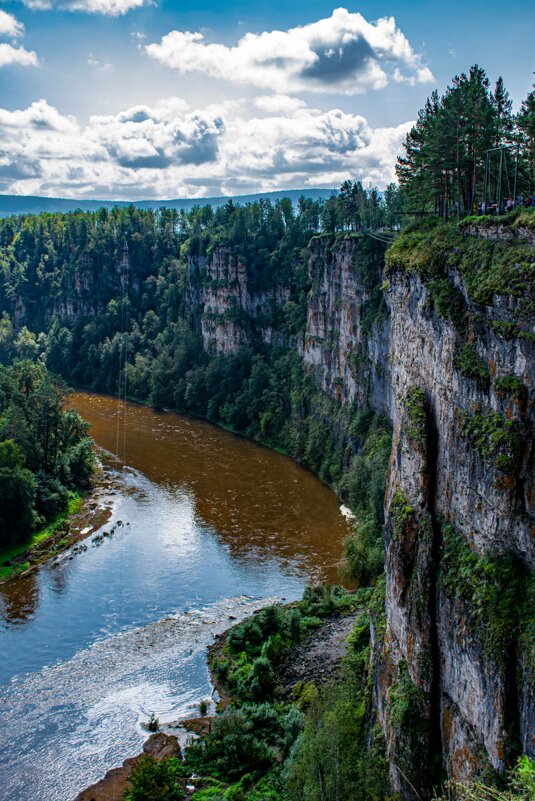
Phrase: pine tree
(503, 106)
(444, 162)
(526, 125)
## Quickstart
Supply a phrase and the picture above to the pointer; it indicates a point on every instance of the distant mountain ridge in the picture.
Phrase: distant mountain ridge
(34, 204)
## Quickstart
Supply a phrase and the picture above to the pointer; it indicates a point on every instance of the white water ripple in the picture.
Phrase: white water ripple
(107, 691)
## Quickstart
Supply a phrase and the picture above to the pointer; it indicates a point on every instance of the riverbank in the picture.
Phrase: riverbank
(85, 513)
(115, 783)
(311, 662)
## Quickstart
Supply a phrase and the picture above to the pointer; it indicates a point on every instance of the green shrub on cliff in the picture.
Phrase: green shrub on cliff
(402, 513)
(510, 386)
(496, 438)
(416, 427)
(408, 718)
(492, 594)
(470, 363)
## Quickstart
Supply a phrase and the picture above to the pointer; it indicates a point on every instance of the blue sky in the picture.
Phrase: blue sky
(134, 98)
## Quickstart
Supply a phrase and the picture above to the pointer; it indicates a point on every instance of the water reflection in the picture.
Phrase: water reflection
(257, 501)
(205, 517)
(18, 599)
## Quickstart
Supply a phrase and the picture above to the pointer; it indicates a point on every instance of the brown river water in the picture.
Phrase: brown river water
(213, 527)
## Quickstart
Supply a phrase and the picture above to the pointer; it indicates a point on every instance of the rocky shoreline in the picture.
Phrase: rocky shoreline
(115, 783)
(95, 511)
(317, 658)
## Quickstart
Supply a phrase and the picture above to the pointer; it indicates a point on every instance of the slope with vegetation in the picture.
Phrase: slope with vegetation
(288, 325)
(46, 458)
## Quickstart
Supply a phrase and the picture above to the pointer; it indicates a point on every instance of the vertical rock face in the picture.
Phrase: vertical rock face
(459, 479)
(346, 334)
(491, 507)
(228, 311)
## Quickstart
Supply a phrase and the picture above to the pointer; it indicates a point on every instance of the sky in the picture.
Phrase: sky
(136, 99)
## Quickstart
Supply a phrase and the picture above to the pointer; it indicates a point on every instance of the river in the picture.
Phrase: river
(210, 526)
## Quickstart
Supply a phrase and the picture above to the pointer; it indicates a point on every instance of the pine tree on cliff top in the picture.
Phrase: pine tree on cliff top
(443, 168)
(526, 126)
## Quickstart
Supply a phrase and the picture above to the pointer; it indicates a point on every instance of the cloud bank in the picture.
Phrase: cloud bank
(343, 53)
(171, 150)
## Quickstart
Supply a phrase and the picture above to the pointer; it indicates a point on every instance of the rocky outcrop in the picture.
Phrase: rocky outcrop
(454, 682)
(229, 312)
(346, 333)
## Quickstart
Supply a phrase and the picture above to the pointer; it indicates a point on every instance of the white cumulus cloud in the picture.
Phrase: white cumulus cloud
(343, 53)
(9, 26)
(17, 55)
(172, 150)
(279, 104)
(112, 8)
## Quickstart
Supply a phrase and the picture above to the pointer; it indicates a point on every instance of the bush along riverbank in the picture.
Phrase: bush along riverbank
(295, 716)
(85, 513)
(47, 462)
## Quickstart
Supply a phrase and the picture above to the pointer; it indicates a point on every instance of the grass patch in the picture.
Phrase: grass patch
(40, 537)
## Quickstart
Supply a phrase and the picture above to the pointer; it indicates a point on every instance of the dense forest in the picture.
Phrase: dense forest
(45, 451)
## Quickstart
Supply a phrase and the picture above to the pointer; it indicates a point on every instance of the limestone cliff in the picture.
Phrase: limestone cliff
(448, 353)
(346, 332)
(228, 309)
(460, 551)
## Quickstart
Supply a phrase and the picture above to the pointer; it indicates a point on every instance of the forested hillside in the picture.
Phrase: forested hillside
(45, 451)
(399, 366)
